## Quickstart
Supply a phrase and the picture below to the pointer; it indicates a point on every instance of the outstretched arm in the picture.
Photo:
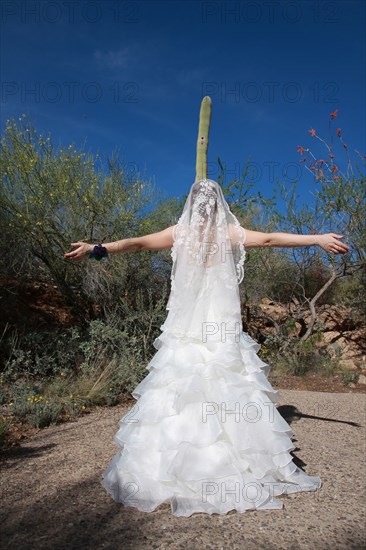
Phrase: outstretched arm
(153, 241)
(329, 241)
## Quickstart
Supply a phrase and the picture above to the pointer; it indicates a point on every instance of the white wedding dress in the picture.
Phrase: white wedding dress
(205, 434)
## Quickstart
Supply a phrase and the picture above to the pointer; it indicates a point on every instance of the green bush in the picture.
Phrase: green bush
(114, 363)
(4, 428)
(41, 403)
(28, 403)
(50, 374)
(296, 357)
(41, 354)
(51, 196)
(349, 376)
(3, 397)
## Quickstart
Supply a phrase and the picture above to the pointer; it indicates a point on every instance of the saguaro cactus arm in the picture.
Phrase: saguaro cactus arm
(202, 142)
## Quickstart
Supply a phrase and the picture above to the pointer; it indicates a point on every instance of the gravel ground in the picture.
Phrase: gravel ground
(52, 497)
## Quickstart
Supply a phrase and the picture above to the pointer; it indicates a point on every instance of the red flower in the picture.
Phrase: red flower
(331, 156)
(334, 114)
(335, 178)
(334, 168)
(338, 132)
(300, 149)
(303, 160)
(312, 132)
(320, 160)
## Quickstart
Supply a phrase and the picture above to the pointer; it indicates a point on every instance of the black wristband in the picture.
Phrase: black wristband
(99, 252)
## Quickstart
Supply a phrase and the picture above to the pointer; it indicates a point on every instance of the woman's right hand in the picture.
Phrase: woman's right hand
(80, 252)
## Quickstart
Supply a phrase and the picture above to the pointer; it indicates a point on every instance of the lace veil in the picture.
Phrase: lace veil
(208, 255)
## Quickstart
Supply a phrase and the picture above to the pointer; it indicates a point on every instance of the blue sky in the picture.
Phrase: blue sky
(129, 76)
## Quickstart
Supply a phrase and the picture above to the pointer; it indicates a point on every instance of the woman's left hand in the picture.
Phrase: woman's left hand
(331, 243)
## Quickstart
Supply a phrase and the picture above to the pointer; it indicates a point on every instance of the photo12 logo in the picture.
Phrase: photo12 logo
(269, 11)
(271, 91)
(250, 411)
(68, 92)
(69, 11)
(224, 329)
(252, 494)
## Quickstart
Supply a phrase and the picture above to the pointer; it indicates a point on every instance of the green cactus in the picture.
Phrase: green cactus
(202, 142)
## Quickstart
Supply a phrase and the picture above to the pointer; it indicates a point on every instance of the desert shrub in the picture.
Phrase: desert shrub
(296, 357)
(2, 394)
(51, 374)
(44, 402)
(51, 196)
(348, 376)
(351, 292)
(116, 350)
(4, 428)
(41, 353)
(27, 403)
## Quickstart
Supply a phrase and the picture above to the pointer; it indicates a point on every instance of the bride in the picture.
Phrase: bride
(204, 434)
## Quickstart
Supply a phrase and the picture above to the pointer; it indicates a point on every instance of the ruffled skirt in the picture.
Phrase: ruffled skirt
(205, 434)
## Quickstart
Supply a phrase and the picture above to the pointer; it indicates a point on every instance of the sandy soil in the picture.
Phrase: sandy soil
(52, 497)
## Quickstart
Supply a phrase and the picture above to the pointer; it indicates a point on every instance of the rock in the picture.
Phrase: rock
(294, 330)
(343, 334)
(347, 364)
(332, 338)
(361, 379)
(266, 301)
(276, 311)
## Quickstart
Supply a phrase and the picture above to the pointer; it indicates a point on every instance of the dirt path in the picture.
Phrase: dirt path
(52, 498)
